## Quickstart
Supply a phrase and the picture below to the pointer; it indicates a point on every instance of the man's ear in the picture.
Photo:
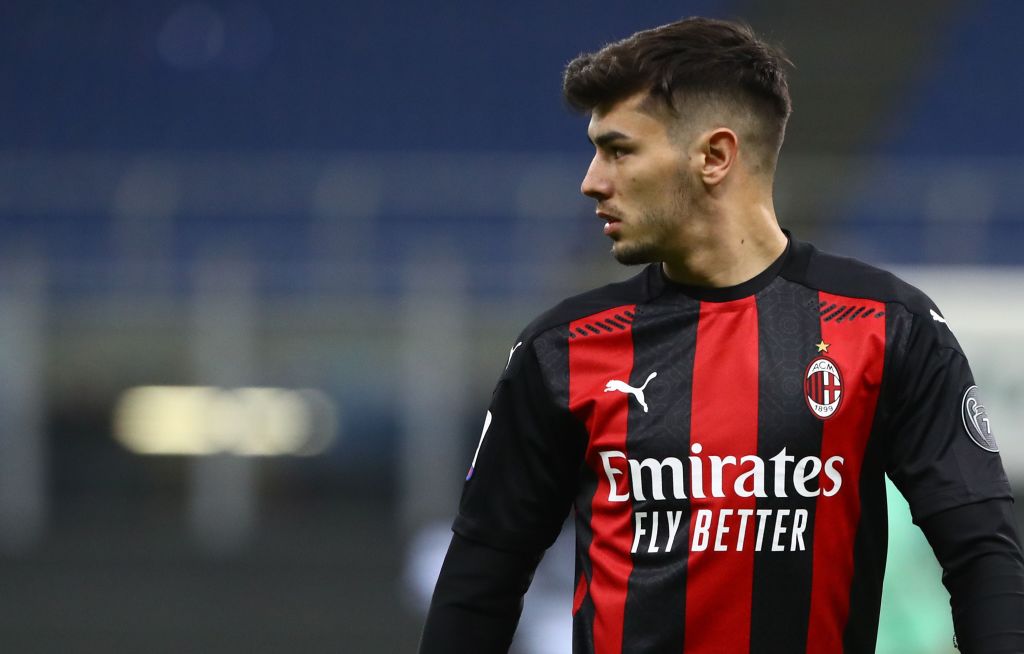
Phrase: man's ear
(719, 150)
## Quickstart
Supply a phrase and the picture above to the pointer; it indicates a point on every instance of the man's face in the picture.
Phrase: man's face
(640, 180)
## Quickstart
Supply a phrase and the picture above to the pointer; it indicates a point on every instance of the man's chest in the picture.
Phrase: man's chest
(744, 402)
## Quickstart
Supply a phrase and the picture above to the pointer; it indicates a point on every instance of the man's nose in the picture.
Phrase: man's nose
(596, 184)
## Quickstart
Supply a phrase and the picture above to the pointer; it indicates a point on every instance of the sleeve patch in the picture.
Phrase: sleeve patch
(976, 421)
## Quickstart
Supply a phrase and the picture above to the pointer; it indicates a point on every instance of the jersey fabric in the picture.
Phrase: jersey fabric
(724, 451)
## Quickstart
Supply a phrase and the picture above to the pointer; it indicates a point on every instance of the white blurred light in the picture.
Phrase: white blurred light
(203, 420)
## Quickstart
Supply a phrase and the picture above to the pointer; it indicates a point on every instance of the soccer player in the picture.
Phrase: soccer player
(722, 422)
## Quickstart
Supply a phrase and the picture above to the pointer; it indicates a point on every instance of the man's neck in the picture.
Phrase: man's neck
(728, 252)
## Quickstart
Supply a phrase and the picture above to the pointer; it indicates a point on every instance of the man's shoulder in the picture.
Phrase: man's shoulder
(632, 291)
(908, 306)
(849, 277)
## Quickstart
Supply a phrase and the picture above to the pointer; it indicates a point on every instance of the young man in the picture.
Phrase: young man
(722, 422)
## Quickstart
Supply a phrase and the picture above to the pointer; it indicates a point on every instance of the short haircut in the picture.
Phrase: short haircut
(709, 60)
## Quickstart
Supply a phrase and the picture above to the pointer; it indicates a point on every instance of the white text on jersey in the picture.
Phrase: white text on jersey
(627, 482)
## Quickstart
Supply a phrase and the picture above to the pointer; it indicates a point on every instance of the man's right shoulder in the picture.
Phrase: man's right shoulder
(632, 291)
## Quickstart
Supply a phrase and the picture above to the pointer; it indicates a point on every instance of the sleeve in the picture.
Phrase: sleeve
(522, 481)
(942, 450)
(478, 599)
(983, 570)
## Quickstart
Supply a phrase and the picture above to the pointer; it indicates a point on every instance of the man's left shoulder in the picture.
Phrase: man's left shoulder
(909, 309)
(849, 277)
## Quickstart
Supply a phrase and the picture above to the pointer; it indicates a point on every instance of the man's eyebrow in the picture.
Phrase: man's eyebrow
(607, 138)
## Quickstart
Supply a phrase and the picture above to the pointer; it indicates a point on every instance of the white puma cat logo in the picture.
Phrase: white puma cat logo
(623, 387)
(937, 318)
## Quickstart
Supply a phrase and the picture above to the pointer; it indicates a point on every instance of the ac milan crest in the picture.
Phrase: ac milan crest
(823, 387)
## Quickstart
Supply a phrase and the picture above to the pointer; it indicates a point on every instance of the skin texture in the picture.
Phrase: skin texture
(682, 190)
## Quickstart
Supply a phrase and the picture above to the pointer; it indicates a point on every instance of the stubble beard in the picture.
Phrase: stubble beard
(655, 229)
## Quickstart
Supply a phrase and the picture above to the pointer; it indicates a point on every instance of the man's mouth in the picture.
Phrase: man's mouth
(611, 223)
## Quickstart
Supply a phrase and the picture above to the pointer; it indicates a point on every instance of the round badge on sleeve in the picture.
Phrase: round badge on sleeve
(976, 421)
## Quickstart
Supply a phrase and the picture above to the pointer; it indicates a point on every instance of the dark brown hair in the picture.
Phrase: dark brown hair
(693, 57)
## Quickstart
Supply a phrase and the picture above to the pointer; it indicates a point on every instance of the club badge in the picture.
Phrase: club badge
(823, 387)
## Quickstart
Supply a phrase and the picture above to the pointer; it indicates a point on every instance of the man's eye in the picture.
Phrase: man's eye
(618, 153)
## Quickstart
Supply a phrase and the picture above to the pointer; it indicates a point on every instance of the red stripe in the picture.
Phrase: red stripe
(724, 422)
(858, 349)
(581, 592)
(594, 360)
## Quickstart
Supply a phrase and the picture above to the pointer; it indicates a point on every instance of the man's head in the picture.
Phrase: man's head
(675, 112)
(692, 69)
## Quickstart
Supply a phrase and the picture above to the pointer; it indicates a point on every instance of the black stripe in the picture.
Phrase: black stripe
(835, 313)
(583, 628)
(581, 331)
(664, 341)
(842, 317)
(592, 328)
(788, 327)
(604, 326)
(615, 323)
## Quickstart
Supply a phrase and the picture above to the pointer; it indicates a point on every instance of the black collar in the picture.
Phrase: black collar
(659, 283)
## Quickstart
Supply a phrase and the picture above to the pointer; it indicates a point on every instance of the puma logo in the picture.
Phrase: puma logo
(937, 318)
(623, 387)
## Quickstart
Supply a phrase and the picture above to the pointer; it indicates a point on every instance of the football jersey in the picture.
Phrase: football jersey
(724, 452)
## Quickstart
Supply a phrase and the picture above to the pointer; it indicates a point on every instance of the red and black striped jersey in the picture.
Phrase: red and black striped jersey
(724, 451)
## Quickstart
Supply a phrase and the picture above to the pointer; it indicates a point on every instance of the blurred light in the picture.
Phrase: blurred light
(203, 420)
(192, 36)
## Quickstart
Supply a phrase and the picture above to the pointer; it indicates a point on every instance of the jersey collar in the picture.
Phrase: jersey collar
(660, 284)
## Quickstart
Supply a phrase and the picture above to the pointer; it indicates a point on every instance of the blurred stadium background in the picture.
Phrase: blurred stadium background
(261, 264)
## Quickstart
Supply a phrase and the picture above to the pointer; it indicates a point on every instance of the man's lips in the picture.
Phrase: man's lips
(611, 223)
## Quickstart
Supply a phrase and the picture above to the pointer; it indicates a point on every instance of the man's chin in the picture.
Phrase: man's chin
(632, 255)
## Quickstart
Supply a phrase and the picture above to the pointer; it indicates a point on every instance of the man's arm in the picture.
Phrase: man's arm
(980, 554)
(516, 496)
(478, 599)
(944, 458)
